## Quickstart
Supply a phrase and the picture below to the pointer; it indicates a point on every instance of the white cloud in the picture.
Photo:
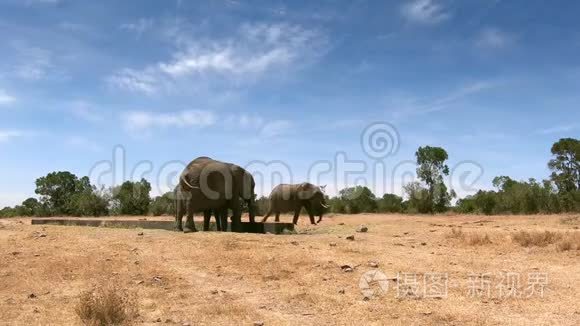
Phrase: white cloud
(7, 135)
(493, 38)
(244, 121)
(424, 12)
(275, 128)
(250, 53)
(145, 81)
(557, 129)
(6, 98)
(83, 143)
(402, 106)
(143, 120)
(34, 63)
(139, 27)
(85, 111)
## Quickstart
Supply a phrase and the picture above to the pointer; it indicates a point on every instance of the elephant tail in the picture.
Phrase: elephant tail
(266, 216)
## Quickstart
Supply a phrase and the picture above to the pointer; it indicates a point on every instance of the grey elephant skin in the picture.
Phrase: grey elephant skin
(211, 185)
(293, 197)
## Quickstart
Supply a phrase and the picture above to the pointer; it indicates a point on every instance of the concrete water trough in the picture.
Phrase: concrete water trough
(274, 228)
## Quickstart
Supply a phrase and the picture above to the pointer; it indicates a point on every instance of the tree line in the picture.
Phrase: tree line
(65, 194)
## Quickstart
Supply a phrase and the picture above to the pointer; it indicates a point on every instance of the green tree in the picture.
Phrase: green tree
(431, 168)
(7, 212)
(418, 198)
(565, 165)
(88, 203)
(390, 203)
(358, 199)
(57, 188)
(163, 205)
(337, 205)
(30, 207)
(132, 198)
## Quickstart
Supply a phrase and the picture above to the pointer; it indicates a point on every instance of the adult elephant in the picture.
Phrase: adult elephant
(292, 197)
(208, 184)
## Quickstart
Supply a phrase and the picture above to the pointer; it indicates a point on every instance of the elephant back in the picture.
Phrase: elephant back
(206, 175)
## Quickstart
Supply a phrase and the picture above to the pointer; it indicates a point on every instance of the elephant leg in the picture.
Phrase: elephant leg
(218, 224)
(251, 212)
(237, 218)
(189, 225)
(277, 217)
(310, 215)
(179, 212)
(224, 220)
(206, 218)
(296, 215)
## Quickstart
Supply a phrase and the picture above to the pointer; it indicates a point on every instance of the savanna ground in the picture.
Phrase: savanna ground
(227, 278)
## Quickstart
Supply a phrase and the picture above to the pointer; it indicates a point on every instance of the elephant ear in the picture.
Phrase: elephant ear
(305, 191)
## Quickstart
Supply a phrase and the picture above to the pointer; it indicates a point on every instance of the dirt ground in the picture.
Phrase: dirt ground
(431, 270)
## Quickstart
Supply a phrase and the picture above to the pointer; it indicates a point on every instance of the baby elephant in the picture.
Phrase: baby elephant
(292, 197)
(221, 219)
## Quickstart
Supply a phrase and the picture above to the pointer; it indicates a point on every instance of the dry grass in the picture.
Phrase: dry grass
(106, 305)
(571, 241)
(469, 238)
(214, 278)
(456, 233)
(536, 238)
(476, 239)
(570, 220)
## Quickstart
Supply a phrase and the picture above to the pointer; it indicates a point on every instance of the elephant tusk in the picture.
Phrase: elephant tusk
(325, 206)
(187, 183)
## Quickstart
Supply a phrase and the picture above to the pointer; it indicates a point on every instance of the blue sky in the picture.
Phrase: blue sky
(494, 82)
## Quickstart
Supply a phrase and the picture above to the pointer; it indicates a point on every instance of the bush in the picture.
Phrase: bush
(88, 203)
(390, 203)
(538, 239)
(106, 306)
(163, 205)
(132, 198)
(570, 242)
(419, 199)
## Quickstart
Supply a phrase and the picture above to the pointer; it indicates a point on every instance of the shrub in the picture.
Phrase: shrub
(571, 241)
(572, 220)
(419, 199)
(456, 234)
(88, 203)
(106, 306)
(476, 239)
(538, 239)
(132, 198)
(162, 205)
(471, 238)
(390, 203)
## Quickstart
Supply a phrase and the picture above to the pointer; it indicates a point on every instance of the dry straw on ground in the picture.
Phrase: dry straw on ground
(108, 304)
(212, 278)
(536, 238)
(471, 238)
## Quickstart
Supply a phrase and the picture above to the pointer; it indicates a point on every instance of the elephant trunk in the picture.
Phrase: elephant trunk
(251, 209)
